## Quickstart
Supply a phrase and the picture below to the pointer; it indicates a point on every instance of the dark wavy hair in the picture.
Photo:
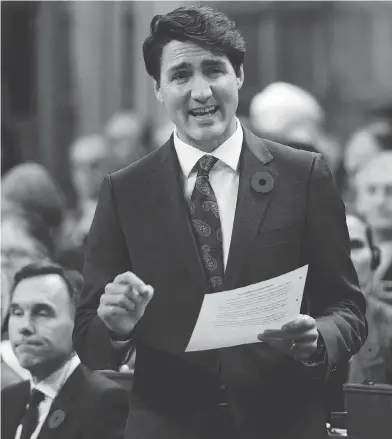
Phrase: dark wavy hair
(202, 25)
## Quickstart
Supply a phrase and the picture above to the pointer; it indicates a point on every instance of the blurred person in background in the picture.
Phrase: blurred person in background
(124, 131)
(31, 187)
(288, 114)
(31, 217)
(374, 361)
(65, 399)
(366, 142)
(373, 200)
(374, 137)
(24, 239)
(91, 161)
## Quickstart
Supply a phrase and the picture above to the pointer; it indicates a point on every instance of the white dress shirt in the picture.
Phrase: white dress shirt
(224, 178)
(50, 387)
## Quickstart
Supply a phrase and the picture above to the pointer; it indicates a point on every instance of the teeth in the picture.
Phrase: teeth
(201, 112)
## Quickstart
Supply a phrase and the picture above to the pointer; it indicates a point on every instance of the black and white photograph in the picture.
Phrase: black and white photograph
(196, 219)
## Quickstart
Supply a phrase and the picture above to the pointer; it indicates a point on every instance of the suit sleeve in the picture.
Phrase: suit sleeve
(109, 415)
(332, 291)
(106, 257)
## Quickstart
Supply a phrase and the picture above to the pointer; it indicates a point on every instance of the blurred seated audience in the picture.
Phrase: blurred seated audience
(124, 131)
(288, 114)
(31, 187)
(374, 137)
(91, 161)
(24, 239)
(32, 209)
(63, 399)
(373, 200)
(374, 361)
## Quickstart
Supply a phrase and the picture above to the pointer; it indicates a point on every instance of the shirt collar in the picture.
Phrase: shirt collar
(228, 153)
(51, 385)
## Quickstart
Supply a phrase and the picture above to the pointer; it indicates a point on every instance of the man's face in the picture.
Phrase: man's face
(41, 324)
(361, 254)
(374, 195)
(200, 93)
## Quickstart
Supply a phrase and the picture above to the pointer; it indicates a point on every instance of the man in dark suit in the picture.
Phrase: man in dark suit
(64, 399)
(213, 209)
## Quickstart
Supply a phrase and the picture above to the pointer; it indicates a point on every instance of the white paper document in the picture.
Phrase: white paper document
(235, 317)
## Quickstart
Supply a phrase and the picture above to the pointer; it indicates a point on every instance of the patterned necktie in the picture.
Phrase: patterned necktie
(204, 213)
(30, 419)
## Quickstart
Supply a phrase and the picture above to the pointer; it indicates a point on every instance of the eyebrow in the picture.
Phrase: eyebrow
(205, 63)
(34, 306)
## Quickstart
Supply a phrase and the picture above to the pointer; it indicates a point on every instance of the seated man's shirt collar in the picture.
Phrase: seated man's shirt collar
(51, 385)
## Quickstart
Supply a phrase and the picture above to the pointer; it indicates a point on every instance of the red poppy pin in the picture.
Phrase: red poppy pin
(262, 182)
(56, 418)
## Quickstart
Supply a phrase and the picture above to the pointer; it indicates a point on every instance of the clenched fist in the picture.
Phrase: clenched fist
(123, 303)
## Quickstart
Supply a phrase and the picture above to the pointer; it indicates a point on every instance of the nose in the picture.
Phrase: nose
(201, 90)
(26, 326)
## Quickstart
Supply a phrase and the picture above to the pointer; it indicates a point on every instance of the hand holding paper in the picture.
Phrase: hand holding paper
(236, 317)
(297, 338)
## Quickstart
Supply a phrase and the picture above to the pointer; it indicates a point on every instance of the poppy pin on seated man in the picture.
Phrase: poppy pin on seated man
(56, 418)
(262, 182)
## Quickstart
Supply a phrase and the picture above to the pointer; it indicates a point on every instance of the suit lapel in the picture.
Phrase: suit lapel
(60, 407)
(252, 205)
(14, 402)
(173, 214)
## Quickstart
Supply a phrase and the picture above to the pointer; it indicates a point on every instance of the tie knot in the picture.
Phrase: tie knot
(205, 164)
(36, 397)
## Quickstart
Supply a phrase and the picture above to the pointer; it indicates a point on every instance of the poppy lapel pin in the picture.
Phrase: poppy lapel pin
(56, 418)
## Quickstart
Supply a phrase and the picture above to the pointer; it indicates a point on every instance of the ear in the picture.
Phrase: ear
(157, 91)
(240, 76)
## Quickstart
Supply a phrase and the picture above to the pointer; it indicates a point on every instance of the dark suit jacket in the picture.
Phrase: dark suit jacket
(141, 224)
(94, 408)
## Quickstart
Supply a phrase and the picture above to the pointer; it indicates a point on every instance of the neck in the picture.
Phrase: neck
(42, 373)
(211, 145)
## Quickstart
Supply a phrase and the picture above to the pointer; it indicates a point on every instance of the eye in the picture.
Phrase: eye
(16, 312)
(43, 313)
(217, 70)
(180, 76)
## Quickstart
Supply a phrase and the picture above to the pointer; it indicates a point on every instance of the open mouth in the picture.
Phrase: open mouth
(205, 111)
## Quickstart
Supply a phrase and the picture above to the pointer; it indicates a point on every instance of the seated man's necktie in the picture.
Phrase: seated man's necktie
(30, 419)
(204, 213)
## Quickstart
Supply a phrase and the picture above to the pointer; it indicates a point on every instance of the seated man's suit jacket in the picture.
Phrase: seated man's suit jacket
(141, 224)
(89, 406)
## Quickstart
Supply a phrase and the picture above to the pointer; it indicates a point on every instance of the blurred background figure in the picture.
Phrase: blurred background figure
(91, 161)
(32, 211)
(33, 208)
(124, 131)
(373, 200)
(374, 137)
(288, 114)
(374, 361)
